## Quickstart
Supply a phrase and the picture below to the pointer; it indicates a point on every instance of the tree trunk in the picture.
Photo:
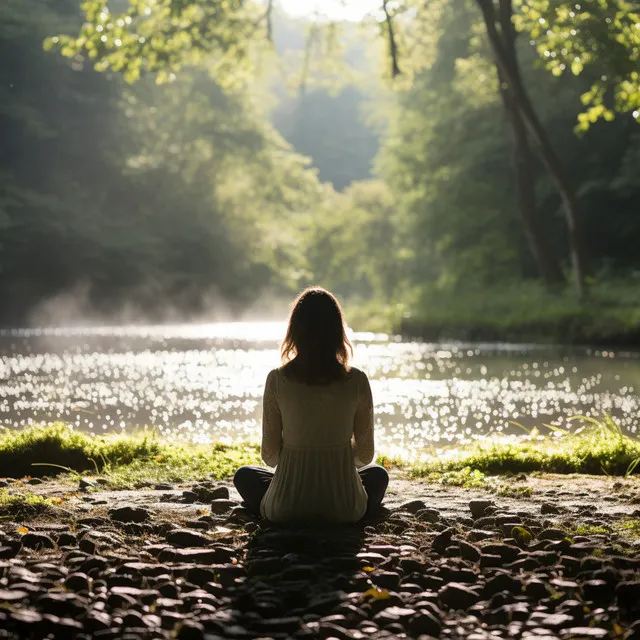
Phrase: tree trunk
(548, 265)
(507, 66)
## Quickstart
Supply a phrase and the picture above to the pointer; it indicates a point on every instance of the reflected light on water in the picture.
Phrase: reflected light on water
(204, 382)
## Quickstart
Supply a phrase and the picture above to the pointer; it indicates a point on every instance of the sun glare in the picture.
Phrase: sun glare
(352, 10)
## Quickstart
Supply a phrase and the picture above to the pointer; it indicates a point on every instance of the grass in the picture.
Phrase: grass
(630, 528)
(129, 461)
(599, 448)
(26, 505)
(524, 312)
(124, 460)
(590, 529)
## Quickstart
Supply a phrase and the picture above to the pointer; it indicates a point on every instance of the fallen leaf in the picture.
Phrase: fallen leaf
(23, 530)
(376, 594)
(202, 512)
(368, 569)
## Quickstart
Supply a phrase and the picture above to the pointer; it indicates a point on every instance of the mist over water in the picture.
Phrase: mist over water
(204, 382)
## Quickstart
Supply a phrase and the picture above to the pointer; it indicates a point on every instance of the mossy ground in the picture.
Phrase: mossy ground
(599, 448)
(25, 505)
(128, 461)
(124, 461)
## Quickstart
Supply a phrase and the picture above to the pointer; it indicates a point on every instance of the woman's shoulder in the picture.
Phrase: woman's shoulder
(356, 373)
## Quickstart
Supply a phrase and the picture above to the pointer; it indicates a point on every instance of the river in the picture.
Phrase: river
(204, 383)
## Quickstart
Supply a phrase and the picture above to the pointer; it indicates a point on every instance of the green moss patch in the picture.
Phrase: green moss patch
(601, 448)
(124, 460)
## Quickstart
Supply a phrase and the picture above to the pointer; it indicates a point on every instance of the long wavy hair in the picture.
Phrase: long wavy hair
(315, 349)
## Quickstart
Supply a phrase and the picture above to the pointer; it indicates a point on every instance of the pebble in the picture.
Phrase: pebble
(479, 507)
(187, 538)
(129, 513)
(221, 506)
(425, 577)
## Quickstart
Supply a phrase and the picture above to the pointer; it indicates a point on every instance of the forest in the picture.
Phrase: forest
(459, 168)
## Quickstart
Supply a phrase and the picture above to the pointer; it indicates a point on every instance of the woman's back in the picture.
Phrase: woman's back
(317, 435)
(317, 415)
(317, 425)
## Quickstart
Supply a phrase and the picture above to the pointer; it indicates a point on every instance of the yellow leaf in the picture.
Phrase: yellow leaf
(57, 500)
(368, 569)
(202, 512)
(23, 530)
(376, 594)
(159, 458)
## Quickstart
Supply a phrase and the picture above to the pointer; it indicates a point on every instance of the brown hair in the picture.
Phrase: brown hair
(315, 348)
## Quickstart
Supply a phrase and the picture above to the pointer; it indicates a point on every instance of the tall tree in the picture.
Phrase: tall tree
(499, 31)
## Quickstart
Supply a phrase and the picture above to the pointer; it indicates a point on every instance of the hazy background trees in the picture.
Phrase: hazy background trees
(305, 166)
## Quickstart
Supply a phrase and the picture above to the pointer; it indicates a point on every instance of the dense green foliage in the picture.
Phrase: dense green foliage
(601, 38)
(152, 195)
(168, 181)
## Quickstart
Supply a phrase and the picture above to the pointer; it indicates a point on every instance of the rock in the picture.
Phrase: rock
(96, 621)
(547, 508)
(196, 556)
(475, 535)
(386, 579)
(129, 513)
(628, 594)
(37, 541)
(393, 614)
(458, 596)
(584, 633)
(469, 551)
(507, 552)
(443, 540)
(536, 589)
(187, 538)
(413, 506)
(491, 560)
(221, 506)
(67, 539)
(550, 620)
(62, 604)
(478, 507)
(424, 622)
(502, 582)
(78, 582)
(428, 515)
(12, 595)
(189, 497)
(85, 484)
(597, 590)
(552, 534)
(190, 630)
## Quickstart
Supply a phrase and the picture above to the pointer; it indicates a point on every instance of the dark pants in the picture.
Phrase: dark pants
(252, 483)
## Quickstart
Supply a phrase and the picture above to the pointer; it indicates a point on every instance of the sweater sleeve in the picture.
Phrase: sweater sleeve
(362, 441)
(271, 422)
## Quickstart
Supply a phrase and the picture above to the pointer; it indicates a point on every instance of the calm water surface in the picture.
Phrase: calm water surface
(204, 383)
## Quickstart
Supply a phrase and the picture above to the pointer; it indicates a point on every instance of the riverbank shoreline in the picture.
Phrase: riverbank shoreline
(186, 561)
(522, 313)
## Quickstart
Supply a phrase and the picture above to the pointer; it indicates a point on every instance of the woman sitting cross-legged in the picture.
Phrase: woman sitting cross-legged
(317, 426)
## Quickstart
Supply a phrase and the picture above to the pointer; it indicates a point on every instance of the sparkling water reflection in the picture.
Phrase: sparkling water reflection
(204, 383)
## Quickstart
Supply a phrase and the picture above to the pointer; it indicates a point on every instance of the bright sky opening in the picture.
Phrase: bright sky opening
(352, 10)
